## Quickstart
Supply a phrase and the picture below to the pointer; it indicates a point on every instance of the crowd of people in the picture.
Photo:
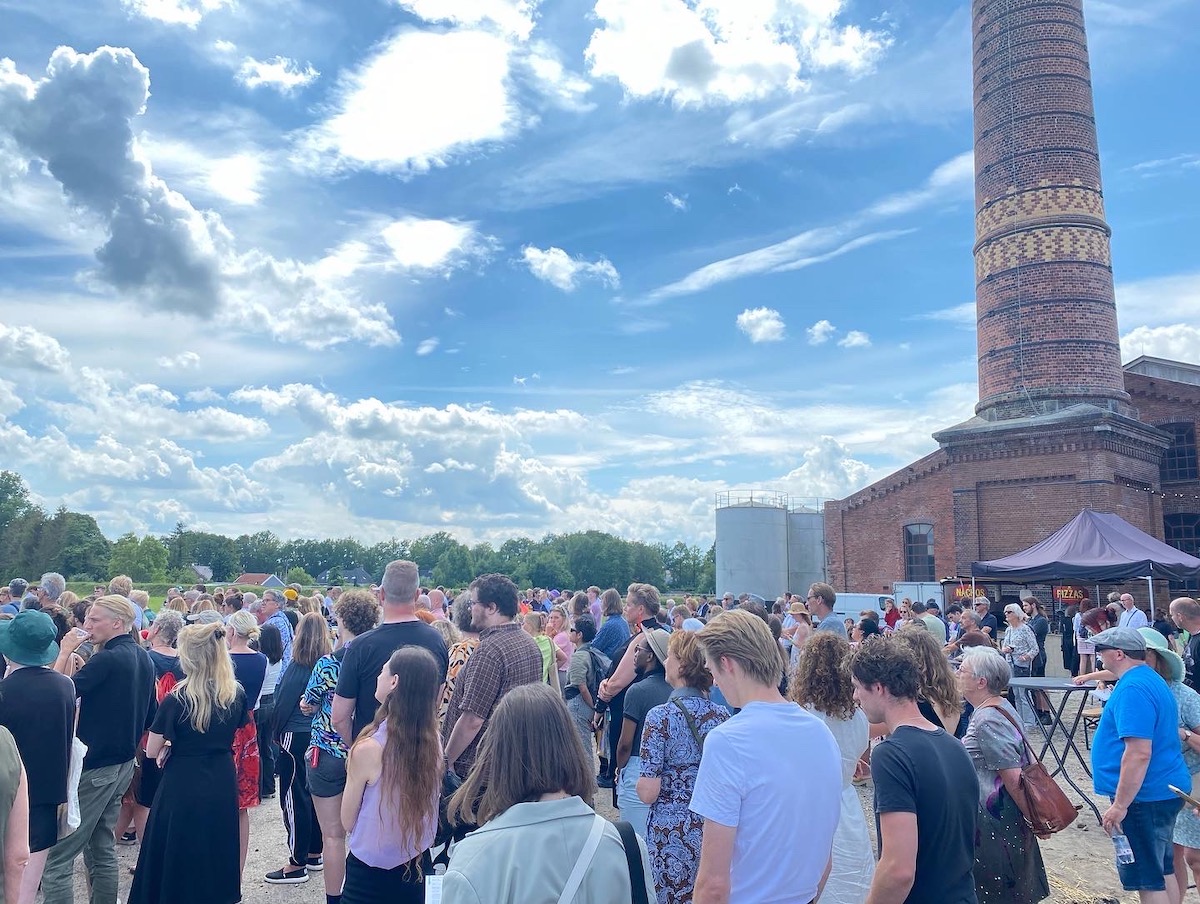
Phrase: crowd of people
(417, 737)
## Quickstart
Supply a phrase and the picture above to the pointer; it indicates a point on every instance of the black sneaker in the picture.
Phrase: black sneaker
(128, 838)
(287, 877)
(604, 782)
(316, 863)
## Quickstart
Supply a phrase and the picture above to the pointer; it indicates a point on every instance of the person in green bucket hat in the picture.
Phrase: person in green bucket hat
(37, 705)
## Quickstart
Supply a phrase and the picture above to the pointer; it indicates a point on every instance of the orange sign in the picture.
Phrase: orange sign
(1067, 594)
(962, 592)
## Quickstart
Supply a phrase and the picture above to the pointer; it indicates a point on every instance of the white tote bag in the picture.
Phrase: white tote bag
(68, 814)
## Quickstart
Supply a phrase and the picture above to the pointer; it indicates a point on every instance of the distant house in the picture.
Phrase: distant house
(203, 572)
(352, 577)
(260, 580)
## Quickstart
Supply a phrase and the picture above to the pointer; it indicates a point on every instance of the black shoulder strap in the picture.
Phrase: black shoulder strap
(633, 857)
(691, 723)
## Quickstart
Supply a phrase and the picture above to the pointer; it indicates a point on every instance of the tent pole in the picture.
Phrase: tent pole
(972, 587)
(1150, 584)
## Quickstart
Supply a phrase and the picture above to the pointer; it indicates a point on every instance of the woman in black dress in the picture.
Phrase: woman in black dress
(196, 808)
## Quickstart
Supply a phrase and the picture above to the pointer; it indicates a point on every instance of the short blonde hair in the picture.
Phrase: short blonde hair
(121, 585)
(139, 598)
(119, 607)
(747, 640)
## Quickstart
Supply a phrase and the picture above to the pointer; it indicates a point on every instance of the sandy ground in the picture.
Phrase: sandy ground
(1078, 860)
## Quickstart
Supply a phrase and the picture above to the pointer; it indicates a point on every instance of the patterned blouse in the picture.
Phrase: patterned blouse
(319, 692)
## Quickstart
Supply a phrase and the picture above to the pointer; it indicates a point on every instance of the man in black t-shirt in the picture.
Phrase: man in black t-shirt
(354, 702)
(1185, 612)
(926, 792)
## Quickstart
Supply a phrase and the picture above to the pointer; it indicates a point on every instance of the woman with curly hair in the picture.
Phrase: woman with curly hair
(940, 701)
(821, 684)
(672, 742)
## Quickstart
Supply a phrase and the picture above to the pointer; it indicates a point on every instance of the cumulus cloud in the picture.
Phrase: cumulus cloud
(421, 99)
(10, 402)
(555, 266)
(761, 324)
(427, 346)
(181, 361)
(25, 348)
(855, 339)
(437, 245)
(278, 73)
(820, 332)
(512, 17)
(1177, 342)
(160, 250)
(675, 201)
(724, 51)
(175, 12)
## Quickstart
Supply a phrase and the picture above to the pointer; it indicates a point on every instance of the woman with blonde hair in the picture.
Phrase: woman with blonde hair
(939, 701)
(195, 808)
(394, 784)
(530, 788)
(250, 670)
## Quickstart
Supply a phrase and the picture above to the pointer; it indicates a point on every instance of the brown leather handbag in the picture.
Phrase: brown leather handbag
(1039, 798)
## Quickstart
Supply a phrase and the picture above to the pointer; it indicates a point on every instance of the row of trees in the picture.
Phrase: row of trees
(71, 543)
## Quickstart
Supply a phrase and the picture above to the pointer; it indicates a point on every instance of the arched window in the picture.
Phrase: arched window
(1183, 532)
(918, 552)
(1179, 461)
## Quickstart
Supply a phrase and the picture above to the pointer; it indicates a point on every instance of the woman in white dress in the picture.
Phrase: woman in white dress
(821, 684)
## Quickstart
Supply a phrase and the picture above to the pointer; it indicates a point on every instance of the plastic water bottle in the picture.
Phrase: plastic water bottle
(1121, 847)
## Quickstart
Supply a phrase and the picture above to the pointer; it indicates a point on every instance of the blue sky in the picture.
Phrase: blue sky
(500, 267)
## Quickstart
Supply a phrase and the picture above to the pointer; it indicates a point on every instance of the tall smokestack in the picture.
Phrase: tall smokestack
(1046, 313)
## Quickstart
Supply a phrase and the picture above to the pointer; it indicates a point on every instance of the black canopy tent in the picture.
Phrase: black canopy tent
(1093, 547)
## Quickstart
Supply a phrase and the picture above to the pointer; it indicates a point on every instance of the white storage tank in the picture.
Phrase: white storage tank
(752, 543)
(806, 548)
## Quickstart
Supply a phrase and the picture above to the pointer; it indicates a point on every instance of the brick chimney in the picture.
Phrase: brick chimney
(1047, 320)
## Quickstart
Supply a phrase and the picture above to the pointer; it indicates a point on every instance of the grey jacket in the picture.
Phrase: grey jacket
(525, 855)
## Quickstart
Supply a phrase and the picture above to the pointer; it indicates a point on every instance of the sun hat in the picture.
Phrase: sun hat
(291, 594)
(29, 638)
(1158, 643)
(797, 608)
(1128, 640)
(657, 640)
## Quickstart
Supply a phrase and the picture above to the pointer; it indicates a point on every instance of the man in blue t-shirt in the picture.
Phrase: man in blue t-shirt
(1136, 755)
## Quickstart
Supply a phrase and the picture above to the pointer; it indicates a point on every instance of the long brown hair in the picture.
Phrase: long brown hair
(412, 749)
(530, 748)
(312, 640)
(938, 684)
(822, 679)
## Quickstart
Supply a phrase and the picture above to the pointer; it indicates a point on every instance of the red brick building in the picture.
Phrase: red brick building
(1060, 425)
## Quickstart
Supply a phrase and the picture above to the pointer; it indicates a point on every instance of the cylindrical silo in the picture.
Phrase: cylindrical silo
(806, 548)
(752, 544)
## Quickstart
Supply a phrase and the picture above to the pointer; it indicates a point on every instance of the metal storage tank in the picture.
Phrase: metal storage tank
(752, 543)
(806, 547)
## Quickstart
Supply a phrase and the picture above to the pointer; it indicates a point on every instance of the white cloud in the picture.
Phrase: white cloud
(175, 12)
(855, 339)
(427, 346)
(555, 266)
(181, 361)
(1159, 300)
(420, 244)
(160, 250)
(820, 332)
(1177, 342)
(1166, 165)
(204, 396)
(234, 177)
(960, 315)
(25, 348)
(562, 87)
(512, 17)
(724, 51)
(761, 324)
(675, 201)
(278, 73)
(420, 100)
(948, 182)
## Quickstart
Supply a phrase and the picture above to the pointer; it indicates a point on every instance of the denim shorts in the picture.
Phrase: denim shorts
(1149, 826)
(328, 777)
